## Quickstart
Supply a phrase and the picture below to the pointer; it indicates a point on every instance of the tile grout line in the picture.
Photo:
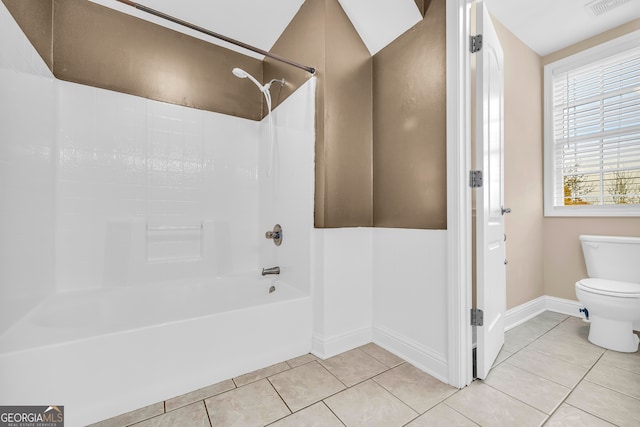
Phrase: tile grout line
(407, 404)
(281, 399)
(521, 401)
(572, 389)
(444, 402)
(319, 361)
(206, 409)
(334, 414)
(547, 416)
(611, 389)
(587, 412)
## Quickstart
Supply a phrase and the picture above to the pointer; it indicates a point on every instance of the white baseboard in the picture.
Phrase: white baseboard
(423, 358)
(329, 347)
(564, 306)
(520, 314)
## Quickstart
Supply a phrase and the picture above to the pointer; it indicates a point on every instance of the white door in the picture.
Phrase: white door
(490, 236)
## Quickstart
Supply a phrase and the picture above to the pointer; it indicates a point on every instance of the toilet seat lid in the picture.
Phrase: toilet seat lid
(611, 286)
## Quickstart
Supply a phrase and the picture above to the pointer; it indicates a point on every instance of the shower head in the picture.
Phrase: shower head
(242, 74)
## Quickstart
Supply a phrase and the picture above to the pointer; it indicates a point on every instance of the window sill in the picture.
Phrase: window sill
(593, 211)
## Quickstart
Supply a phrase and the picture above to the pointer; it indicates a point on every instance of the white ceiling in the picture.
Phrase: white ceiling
(550, 25)
(544, 25)
(261, 22)
(379, 22)
(258, 23)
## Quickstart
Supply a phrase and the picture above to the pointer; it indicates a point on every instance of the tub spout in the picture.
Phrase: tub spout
(272, 270)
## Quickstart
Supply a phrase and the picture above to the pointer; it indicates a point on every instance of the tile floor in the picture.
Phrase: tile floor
(547, 373)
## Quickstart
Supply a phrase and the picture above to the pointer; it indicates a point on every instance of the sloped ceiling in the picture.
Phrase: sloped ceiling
(260, 23)
(379, 22)
(544, 25)
(547, 26)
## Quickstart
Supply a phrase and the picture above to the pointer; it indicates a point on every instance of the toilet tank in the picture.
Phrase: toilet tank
(612, 257)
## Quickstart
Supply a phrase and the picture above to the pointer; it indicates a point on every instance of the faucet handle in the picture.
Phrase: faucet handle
(276, 235)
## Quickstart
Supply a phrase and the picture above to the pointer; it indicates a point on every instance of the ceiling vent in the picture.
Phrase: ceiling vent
(599, 7)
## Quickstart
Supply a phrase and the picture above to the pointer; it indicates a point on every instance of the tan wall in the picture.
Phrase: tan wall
(563, 260)
(523, 168)
(322, 35)
(35, 18)
(423, 6)
(101, 47)
(409, 147)
(86, 43)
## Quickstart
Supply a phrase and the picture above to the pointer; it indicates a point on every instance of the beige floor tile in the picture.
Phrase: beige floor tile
(568, 349)
(248, 406)
(260, 374)
(301, 360)
(304, 385)
(627, 361)
(201, 394)
(417, 389)
(489, 407)
(369, 405)
(519, 337)
(609, 405)
(616, 379)
(552, 316)
(531, 389)
(546, 321)
(442, 416)
(317, 415)
(133, 416)
(381, 355)
(568, 416)
(574, 329)
(353, 366)
(556, 370)
(501, 357)
(194, 415)
(574, 325)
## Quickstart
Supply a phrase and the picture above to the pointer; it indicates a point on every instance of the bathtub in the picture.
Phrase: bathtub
(105, 352)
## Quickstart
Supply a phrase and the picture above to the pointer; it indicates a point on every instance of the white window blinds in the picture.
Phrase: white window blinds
(596, 131)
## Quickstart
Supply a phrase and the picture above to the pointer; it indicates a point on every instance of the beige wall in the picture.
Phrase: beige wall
(523, 168)
(563, 260)
(562, 257)
(409, 127)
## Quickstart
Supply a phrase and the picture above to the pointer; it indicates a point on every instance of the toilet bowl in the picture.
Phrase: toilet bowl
(611, 294)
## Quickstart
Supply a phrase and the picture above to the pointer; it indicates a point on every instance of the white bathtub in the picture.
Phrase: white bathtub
(109, 351)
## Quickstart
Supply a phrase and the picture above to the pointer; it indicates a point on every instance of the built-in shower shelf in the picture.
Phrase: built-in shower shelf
(167, 243)
(174, 227)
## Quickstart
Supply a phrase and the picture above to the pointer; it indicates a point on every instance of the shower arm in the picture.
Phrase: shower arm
(178, 21)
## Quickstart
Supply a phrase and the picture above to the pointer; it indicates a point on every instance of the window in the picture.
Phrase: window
(592, 131)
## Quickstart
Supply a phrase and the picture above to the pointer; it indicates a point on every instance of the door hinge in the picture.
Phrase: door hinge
(475, 179)
(475, 43)
(477, 317)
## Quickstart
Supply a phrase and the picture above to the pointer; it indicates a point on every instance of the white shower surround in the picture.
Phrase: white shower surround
(123, 330)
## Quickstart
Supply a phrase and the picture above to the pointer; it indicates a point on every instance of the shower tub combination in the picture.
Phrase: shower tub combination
(139, 345)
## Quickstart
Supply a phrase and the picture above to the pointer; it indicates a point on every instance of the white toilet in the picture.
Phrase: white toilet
(611, 294)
